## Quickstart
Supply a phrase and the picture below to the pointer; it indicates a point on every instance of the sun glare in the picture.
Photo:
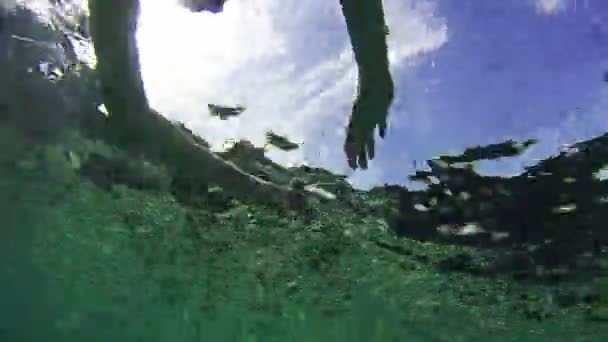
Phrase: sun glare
(173, 41)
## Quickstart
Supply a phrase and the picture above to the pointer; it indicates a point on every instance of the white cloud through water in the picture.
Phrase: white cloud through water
(290, 64)
(550, 7)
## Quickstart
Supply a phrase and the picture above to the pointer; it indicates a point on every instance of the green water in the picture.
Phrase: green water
(98, 244)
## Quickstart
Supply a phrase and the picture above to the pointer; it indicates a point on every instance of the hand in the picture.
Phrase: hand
(370, 110)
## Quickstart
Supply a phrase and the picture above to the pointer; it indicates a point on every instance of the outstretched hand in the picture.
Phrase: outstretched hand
(370, 110)
(367, 31)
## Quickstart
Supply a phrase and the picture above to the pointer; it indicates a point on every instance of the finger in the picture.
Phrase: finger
(382, 129)
(371, 150)
(363, 156)
(351, 152)
(351, 157)
(352, 160)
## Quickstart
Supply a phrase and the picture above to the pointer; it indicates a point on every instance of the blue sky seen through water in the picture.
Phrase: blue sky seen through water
(467, 72)
(509, 71)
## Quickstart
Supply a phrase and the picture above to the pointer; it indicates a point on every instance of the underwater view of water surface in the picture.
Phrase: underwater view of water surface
(337, 170)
